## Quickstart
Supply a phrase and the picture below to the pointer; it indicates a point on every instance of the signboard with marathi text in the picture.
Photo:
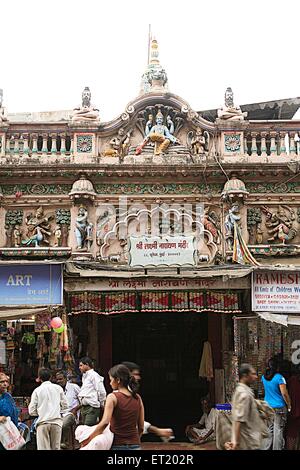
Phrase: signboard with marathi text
(157, 251)
(31, 284)
(276, 291)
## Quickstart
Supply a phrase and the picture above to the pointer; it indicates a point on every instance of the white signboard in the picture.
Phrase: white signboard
(276, 291)
(157, 251)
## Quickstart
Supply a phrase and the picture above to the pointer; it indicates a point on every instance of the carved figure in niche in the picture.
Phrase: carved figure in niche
(233, 217)
(196, 141)
(86, 112)
(38, 228)
(212, 224)
(253, 223)
(17, 234)
(229, 111)
(159, 134)
(83, 230)
(9, 235)
(279, 225)
(120, 144)
(259, 234)
(57, 236)
(3, 114)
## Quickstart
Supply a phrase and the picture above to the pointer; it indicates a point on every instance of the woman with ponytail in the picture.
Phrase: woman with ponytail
(276, 396)
(124, 411)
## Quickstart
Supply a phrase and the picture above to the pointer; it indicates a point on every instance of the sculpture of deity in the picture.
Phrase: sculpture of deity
(119, 144)
(159, 134)
(17, 234)
(211, 223)
(229, 111)
(83, 230)
(279, 225)
(57, 235)
(86, 112)
(38, 228)
(233, 217)
(198, 143)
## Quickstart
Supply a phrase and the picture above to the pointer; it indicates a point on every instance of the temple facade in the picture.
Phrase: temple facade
(173, 227)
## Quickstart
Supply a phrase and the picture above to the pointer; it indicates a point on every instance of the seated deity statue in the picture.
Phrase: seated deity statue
(159, 134)
(229, 111)
(86, 112)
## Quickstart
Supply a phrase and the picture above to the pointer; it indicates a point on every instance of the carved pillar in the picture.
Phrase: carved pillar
(16, 146)
(292, 144)
(263, 144)
(72, 143)
(63, 143)
(253, 144)
(34, 143)
(54, 146)
(8, 137)
(282, 143)
(45, 139)
(245, 144)
(273, 147)
(25, 143)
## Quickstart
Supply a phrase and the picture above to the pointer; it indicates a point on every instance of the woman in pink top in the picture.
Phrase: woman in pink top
(124, 411)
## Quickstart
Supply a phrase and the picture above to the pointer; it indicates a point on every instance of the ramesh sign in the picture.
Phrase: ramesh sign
(36, 284)
(276, 291)
(157, 251)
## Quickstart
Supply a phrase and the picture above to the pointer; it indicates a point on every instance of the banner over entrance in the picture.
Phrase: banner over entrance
(31, 284)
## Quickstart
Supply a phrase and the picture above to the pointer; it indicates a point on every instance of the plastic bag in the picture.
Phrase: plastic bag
(101, 442)
(10, 436)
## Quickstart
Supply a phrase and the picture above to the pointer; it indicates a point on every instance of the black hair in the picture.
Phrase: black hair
(87, 361)
(122, 373)
(272, 369)
(245, 369)
(44, 374)
(62, 372)
(131, 365)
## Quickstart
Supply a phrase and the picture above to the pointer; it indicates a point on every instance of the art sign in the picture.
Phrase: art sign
(31, 284)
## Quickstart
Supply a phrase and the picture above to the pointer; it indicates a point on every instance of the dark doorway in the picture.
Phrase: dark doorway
(168, 348)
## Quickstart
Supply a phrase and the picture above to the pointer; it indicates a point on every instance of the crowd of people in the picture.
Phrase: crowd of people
(68, 416)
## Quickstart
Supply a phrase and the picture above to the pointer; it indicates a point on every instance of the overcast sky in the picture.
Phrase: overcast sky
(51, 49)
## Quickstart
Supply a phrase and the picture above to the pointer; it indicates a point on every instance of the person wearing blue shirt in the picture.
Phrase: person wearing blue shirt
(276, 395)
(7, 403)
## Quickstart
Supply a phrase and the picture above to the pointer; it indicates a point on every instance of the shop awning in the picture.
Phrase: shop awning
(108, 303)
(285, 320)
(8, 313)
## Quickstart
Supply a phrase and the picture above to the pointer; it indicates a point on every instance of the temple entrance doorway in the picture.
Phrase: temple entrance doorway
(168, 348)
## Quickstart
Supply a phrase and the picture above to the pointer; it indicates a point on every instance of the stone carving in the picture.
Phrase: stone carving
(279, 224)
(233, 217)
(13, 221)
(229, 111)
(38, 229)
(155, 77)
(85, 143)
(232, 142)
(63, 220)
(57, 236)
(119, 144)
(86, 112)
(253, 223)
(211, 223)
(3, 114)
(198, 141)
(83, 230)
(159, 134)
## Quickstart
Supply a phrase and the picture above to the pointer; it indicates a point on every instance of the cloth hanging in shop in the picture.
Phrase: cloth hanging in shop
(206, 365)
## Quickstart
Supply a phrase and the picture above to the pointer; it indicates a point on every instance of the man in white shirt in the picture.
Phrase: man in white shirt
(204, 430)
(70, 416)
(92, 394)
(48, 402)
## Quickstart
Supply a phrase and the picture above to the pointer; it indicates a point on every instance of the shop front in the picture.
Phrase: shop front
(161, 323)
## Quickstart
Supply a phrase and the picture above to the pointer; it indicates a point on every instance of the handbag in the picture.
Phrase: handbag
(10, 436)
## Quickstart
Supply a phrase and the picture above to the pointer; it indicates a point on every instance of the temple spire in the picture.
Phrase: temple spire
(154, 77)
